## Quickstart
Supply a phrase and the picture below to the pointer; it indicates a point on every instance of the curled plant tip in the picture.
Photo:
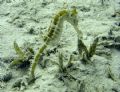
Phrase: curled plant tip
(18, 50)
(70, 61)
(92, 48)
(61, 66)
(81, 47)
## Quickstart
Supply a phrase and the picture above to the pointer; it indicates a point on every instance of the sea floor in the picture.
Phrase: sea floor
(27, 21)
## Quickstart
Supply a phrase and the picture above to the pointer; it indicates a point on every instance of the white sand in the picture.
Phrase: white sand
(94, 21)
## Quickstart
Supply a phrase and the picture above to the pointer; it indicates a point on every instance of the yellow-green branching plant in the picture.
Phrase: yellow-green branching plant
(23, 56)
(87, 53)
(63, 67)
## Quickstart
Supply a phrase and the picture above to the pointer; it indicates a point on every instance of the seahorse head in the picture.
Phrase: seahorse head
(72, 17)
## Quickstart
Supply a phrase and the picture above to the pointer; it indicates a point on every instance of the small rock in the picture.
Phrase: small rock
(117, 23)
(6, 77)
(117, 39)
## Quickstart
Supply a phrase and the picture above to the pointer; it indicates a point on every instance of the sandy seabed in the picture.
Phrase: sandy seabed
(26, 21)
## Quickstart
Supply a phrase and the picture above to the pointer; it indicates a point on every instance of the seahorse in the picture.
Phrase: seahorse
(55, 31)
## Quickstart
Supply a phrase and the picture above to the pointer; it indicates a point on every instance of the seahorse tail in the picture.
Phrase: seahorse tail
(36, 60)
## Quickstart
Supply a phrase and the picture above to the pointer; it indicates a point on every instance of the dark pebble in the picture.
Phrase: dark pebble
(117, 23)
(6, 77)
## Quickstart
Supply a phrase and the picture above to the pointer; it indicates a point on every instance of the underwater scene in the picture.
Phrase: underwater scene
(59, 45)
